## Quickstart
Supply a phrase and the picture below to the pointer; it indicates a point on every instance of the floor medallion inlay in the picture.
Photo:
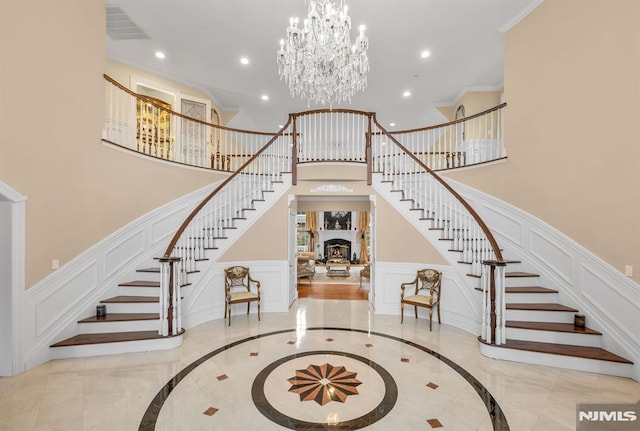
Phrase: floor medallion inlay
(324, 383)
(278, 396)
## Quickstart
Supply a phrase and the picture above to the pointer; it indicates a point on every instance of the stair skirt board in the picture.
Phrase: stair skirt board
(116, 348)
(118, 326)
(575, 339)
(557, 361)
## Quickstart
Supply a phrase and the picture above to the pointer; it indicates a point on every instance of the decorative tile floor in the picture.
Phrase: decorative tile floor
(446, 385)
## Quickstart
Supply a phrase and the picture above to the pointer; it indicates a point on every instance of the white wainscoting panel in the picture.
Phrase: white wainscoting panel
(53, 306)
(204, 300)
(554, 256)
(56, 303)
(460, 304)
(506, 225)
(129, 248)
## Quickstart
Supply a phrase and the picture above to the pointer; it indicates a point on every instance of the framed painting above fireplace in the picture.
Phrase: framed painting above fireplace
(337, 220)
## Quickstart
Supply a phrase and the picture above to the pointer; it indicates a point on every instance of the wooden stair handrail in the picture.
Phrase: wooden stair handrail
(330, 111)
(210, 196)
(177, 114)
(474, 214)
(450, 123)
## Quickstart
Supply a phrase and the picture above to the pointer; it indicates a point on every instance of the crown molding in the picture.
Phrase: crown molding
(519, 17)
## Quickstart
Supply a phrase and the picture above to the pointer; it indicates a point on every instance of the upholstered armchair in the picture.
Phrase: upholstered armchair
(305, 267)
(365, 272)
(240, 287)
(425, 293)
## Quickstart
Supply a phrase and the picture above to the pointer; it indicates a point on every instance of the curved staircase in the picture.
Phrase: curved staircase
(132, 320)
(539, 330)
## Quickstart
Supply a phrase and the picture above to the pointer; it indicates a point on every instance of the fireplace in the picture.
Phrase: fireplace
(337, 249)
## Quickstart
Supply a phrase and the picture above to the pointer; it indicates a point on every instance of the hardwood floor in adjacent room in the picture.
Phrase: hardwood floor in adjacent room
(318, 290)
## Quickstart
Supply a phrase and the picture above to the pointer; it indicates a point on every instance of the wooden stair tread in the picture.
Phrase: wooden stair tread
(551, 326)
(526, 289)
(154, 270)
(121, 317)
(123, 299)
(566, 350)
(520, 274)
(539, 307)
(529, 289)
(141, 283)
(109, 337)
(514, 274)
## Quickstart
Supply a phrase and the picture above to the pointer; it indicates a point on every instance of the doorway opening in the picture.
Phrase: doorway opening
(333, 248)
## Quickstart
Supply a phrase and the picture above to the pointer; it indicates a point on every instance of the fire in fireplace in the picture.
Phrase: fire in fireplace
(337, 249)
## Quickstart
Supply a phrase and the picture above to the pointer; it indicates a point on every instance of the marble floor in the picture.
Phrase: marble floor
(326, 364)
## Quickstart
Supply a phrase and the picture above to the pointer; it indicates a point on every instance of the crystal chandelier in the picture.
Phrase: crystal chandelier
(318, 61)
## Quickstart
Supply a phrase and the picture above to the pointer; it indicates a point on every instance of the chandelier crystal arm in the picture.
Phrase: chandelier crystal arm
(318, 61)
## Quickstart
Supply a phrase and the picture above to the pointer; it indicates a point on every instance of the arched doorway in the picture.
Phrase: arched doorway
(12, 214)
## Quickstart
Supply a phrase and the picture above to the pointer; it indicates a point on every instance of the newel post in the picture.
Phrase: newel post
(294, 150)
(368, 152)
(170, 310)
(494, 305)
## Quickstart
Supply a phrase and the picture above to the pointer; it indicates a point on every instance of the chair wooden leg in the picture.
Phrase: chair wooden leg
(415, 309)
(258, 311)
(401, 313)
(430, 319)
(225, 309)
(248, 303)
(439, 313)
(229, 313)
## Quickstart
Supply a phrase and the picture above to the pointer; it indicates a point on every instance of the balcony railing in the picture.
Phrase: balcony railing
(149, 126)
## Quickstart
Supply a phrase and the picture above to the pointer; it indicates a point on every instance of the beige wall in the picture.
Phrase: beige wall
(572, 85)
(474, 102)
(79, 191)
(266, 239)
(477, 101)
(396, 240)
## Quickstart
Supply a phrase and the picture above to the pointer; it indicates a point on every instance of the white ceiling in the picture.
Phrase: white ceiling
(204, 39)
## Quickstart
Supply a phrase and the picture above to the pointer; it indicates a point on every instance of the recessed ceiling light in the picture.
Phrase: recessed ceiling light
(280, 126)
(160, 55)
(384, 143)
(406, 94)
(264, 97)
(425, 54)
(392, 124)
(244, 60)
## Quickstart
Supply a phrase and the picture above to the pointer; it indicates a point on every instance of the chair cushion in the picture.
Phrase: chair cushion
(420, 300)
(241, 296)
